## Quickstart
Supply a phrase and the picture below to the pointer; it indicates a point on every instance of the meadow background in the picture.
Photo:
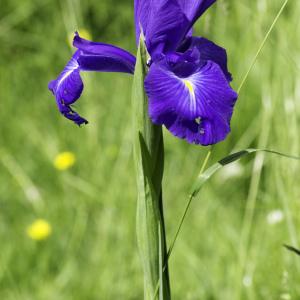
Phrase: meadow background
(230, 247)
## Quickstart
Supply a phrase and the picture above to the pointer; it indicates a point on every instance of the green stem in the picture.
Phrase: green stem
(149, 164)
(192, 196)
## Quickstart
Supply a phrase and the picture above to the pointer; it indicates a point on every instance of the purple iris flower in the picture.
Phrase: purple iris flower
(188, 83)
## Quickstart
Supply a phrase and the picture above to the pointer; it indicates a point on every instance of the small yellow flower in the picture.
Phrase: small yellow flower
(39, 230)
(64, 161)
(84, 33)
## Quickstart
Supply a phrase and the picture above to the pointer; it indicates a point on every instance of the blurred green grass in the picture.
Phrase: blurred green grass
(227, 249)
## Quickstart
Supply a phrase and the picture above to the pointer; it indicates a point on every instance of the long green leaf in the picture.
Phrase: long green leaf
(203, 177)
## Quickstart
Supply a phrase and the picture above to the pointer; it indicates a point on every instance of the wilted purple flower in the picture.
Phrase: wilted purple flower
(187, 83)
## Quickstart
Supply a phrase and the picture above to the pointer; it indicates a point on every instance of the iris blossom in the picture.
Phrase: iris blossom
(188, 83)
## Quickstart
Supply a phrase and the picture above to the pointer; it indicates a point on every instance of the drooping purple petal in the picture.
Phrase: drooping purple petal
(103, 57)
(99, 63)
(193, 9)
(197, 107)
(67, 88)
(90, 56)
(163, 24)
(199, 131)
(208, 51)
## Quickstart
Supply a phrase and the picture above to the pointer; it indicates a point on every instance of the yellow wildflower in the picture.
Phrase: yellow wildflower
(84, 33)
(64, 161)
(39, 230)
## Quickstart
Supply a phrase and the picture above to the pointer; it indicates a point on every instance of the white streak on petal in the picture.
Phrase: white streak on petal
(192, 99)
(72, 65)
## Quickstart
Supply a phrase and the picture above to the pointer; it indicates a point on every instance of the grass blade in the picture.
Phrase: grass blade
(262, 45)
(292, 249)
(203, 177)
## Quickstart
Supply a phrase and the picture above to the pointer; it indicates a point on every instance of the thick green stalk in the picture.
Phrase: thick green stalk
(149, 164)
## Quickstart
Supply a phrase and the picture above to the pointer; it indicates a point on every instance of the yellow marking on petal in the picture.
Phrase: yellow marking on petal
(39, 230)
(189, 86)
(84, 33)
(64, 161)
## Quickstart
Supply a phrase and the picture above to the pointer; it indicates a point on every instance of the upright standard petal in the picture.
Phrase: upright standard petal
(90, 56)
(193, 9)
(141, 16)
(194, 100)
(163, 24)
